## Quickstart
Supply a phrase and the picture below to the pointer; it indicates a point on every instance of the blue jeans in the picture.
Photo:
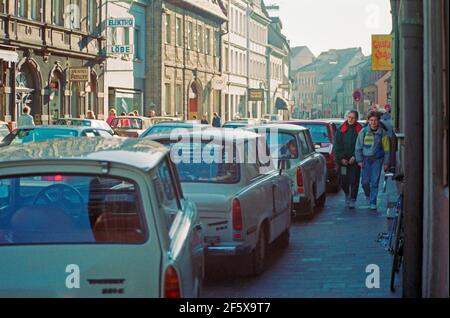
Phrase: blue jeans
(371, 174)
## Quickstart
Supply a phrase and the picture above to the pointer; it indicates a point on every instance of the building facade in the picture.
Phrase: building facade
(421, 108)
(125, 74)
(54, 58)
(236, 57)
(184, 57)
(278, 75)
(300, 56)
(258, 41)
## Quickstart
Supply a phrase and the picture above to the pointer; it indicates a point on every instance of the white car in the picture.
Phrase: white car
(244, 204)
(96, 218)
(305, 167)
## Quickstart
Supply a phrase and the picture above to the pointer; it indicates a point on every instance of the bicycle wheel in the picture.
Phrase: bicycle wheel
(398, 251)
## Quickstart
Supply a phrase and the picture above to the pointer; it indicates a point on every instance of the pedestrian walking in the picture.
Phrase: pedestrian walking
(90, 115)
(372, 153)
(112, 114)
(344, 148)
(152, 114)
(25, 120)
(136, 113)
(386, 121)
(204, 120)
(217, 121)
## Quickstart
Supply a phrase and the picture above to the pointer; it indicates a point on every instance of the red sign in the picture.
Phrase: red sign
(357, 95)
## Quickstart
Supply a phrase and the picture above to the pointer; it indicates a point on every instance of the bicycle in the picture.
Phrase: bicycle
(396, 246)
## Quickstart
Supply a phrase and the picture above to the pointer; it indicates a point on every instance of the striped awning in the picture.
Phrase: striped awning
(9, 56)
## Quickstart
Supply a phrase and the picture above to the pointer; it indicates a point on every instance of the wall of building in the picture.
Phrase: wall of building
(48, 46)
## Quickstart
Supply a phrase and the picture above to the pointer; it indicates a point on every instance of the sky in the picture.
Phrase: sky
(333, 24)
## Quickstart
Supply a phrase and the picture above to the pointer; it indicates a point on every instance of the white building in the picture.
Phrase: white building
(125, 74)
(257, 43)
(235, 62)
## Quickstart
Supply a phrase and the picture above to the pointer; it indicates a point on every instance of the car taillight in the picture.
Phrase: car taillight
(171, 283)
(300, 187)
(237, 215)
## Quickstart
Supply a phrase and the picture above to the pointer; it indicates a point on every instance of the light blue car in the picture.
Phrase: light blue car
(94, 217)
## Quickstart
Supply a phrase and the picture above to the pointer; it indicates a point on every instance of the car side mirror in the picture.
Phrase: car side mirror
(317, 147)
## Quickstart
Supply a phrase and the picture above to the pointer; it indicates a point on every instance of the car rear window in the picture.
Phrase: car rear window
(319, 133)
(24, 136)
(195, 168)
(77, 209)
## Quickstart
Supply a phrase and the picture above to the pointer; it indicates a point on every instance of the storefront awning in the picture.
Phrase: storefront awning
(9, 56)
(281, 104)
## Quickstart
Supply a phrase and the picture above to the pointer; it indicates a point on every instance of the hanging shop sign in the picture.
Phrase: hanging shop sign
(256, 95)
(120, 23)
(79, 74)
(381, 52)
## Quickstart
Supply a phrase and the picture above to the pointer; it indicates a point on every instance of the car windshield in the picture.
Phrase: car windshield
(58, 208)
(127, 123)
(24, 136)
(74, 122)
(194, 167)
(319, 133)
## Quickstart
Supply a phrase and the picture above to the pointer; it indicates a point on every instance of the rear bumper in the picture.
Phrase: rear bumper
(227, 250)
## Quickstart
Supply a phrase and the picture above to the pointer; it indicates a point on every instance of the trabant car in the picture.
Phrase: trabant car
(323, 133)
(306, 168)
(243, 201)
(168, 127)
(96, 218)
(85, 123)
(25, 135)
(130, 126)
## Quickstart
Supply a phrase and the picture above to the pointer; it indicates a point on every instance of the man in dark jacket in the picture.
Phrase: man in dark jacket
(344, 149)
(217, 121)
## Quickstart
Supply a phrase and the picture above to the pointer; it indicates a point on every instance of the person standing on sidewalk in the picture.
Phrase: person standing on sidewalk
(344, 149)
(372, 152)
(25, 120)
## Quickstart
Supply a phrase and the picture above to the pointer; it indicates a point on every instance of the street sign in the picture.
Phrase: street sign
(120, 49)
(120, 23)
(79, 74)
(382, 52)
(256, 95)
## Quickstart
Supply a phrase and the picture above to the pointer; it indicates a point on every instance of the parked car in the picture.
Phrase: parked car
(160, 119)
(85, 123)
(38, 133)
(168, 127)
(4, 130)
(322, 133)
(306, 168)
(129, 126)
(241, 123)
(244, 206)
(107, 214)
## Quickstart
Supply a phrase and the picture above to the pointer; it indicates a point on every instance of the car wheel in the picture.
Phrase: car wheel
(259, 253)
(283, 240)
(320, 202)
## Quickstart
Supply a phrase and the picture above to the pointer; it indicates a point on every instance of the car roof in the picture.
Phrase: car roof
(80, 119)
(215, 133)
(309, 121)
(281, 127)
(143, 154)
(62, 127)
